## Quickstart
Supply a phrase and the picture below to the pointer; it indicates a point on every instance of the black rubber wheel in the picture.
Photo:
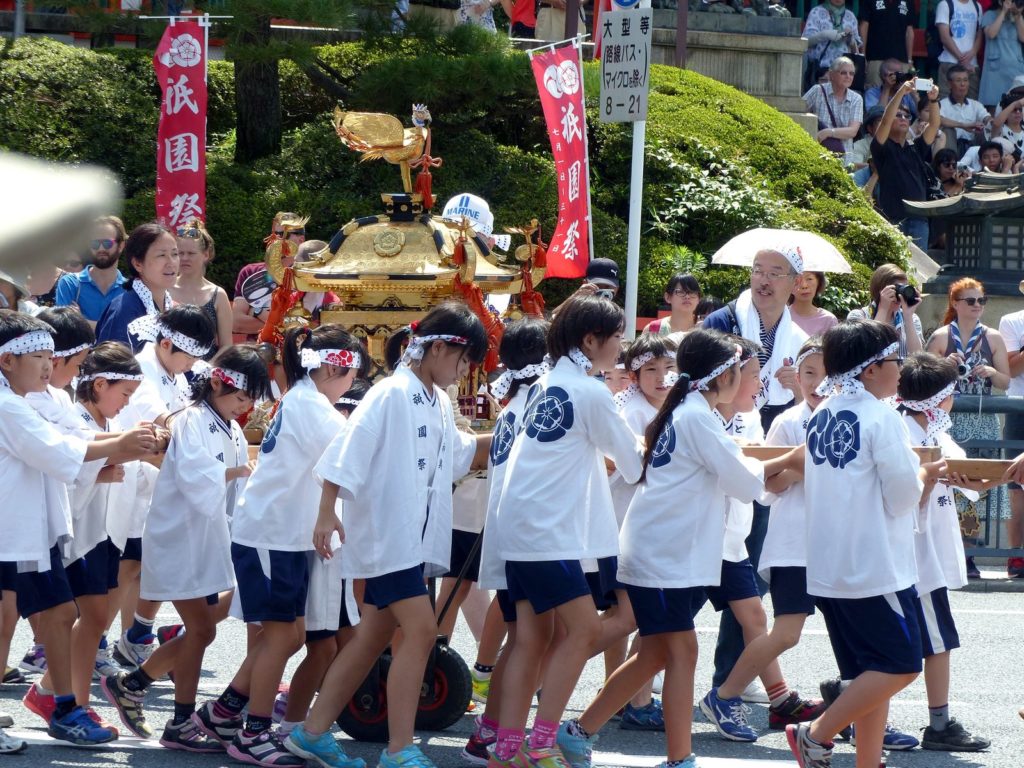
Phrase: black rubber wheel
(366, 716)
(453, 689)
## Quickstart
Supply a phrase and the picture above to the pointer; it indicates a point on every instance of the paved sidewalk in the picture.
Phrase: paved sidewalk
(993, 578)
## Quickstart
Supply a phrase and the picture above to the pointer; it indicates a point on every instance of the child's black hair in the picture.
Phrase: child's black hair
(328, 336)
(924, 375)
(707, 305)
(243, 359)
(748, 349)
(452, 318)
(814, 342)
(71, 329)
(525, 342)
(106, 357)
(139, 241)
(14, 324)
(700, 352)
(850, 343)
(189, 320)
(355, 393)
(579, 316)
(659, 346)
(620, 359)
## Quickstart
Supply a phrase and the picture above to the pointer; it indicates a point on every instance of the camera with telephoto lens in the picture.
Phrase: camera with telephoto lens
(908, 292)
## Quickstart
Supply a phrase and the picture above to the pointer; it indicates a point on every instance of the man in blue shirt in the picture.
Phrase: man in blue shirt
(92, 289)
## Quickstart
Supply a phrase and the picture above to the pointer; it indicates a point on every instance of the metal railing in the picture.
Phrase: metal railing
(991, 537)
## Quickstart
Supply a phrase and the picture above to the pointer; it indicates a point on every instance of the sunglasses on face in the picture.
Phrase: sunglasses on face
(949, 164)
(105, 243)
(190, 232)
(903, 115)
(970, 301)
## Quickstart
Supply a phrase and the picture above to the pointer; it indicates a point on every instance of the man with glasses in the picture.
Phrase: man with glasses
(887, 29)
(966, 116)
(248, 321)
(96, 286)
(890, 70)
(900, 165)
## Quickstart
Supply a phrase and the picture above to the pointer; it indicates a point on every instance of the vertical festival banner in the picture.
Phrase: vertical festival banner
(180, 64)
(560, 83)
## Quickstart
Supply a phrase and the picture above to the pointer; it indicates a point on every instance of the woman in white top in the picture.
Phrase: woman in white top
(394, 466)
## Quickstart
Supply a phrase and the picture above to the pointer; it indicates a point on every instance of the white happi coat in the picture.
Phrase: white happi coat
(91, 502)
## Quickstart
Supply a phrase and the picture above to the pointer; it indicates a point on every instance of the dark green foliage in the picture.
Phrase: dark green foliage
(718, 161)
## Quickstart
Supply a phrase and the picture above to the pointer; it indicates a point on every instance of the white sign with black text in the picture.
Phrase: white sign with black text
(625, 64)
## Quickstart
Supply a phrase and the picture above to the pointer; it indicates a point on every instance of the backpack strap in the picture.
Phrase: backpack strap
(734, 319)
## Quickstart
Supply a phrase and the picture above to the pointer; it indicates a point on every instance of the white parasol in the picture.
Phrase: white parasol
(819, 255)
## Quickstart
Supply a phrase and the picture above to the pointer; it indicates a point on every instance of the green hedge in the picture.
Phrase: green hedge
(718, 161)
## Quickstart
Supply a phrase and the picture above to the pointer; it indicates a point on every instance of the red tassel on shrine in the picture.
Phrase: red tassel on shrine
(422, 186)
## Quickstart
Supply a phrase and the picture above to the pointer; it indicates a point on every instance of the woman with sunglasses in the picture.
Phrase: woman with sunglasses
(682, 294)
(980, 354)
(195, 251)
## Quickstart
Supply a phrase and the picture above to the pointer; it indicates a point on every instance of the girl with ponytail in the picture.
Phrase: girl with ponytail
(672, 539)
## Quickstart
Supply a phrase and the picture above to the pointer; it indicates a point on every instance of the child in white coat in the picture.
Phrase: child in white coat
(186, 544)
(394, 466)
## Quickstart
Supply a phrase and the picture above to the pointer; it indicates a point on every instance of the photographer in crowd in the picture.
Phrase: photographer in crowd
(894, 301)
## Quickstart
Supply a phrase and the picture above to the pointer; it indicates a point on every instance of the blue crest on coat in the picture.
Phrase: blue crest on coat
(270, 438)
(833, 437)
(502, 439)
(550, 415)
(662, 453)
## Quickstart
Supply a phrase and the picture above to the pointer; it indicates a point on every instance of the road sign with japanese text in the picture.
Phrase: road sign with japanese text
(625, 65)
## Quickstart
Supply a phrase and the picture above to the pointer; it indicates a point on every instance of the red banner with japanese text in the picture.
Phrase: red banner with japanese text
(180, 64)
(560, 83)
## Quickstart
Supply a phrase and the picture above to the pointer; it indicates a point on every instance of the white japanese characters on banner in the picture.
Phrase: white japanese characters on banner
(560, 84)
(180, 67)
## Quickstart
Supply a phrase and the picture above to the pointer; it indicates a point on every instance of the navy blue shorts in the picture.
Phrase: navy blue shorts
(603, 583)
(935, 619)
(462, 547)
(788, 588)
(95, 572)
(546, 584)
(508, 608)
(382, 591)
(874, 634)
(132, 549)
(8, 577)
(38, 591)
(272, 585)
(738, 583)
(659, 611)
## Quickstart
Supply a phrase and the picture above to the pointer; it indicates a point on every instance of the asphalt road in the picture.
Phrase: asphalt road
(987, 690)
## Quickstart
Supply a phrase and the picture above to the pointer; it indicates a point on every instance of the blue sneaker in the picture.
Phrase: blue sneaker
(77, 727)
(649, 717)
(409, 757)
(689, 762)
(575, 749)
(323, 750)
(729, 716)
(893, 740)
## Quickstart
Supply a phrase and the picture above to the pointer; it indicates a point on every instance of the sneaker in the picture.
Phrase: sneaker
(477, 749)
(280, 703)
(729, 716)
(755, 693)
(972, 569)
(659, 683)
(1015, 567)
(132, 655)
(10, 745)
(39, 704)
(188, 738)
(77, 727)
(223, 730)
(105, 666)
(34, 660)
(481, 686)
(794, 710)
(128, 705)
(955, 738)
(576, 750)
(96, 718)
(262, 749)
(168, 632)
(324, 750)
(13, 676)
(407, 757)
(808, 753)
(689, 762)
(893, 740)
(830, 690)
(526, 757)
(649, 717)
(6, 721)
